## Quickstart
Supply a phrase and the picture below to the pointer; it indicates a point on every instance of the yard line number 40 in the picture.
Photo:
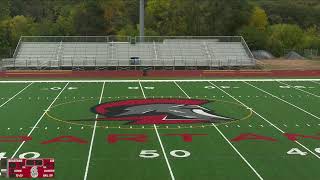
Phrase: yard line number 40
(26, 155)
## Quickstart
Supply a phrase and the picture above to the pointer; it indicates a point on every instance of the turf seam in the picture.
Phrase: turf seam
(299, 89)
(226, 139)
(266, 120)
(266, 92)
(41, 117)
(15, 95)
(159, 139)
(93, 136)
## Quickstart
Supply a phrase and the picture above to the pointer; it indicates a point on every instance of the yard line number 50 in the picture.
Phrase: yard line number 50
(154, 154)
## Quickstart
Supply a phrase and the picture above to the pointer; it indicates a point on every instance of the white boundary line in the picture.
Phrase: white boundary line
(299, 89)
(162, 147)
(156, 80)
(93, 135)
(33, 128)
(264, 119)
(282, 100)
(15, 95)
(226, 139)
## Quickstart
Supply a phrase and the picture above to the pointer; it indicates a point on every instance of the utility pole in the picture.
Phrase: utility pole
(141, 20)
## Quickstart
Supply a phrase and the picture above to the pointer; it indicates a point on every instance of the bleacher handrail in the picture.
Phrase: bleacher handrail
(17, 47)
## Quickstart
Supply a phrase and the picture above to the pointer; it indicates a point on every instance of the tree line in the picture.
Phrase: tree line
(265, 24)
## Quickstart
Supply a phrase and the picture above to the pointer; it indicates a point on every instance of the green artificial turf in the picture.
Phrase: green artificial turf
(48, 110)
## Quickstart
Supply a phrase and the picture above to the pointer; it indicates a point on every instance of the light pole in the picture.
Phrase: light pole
(141, 20)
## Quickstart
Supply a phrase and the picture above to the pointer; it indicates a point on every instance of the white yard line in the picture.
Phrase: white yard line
(164, 153)
(144, 95)
(299, 89)
(316, 82)
(163, 80)
(282, 100)
(264, 119)
(226, 139)
(15, 95)
(34, 127)
(162, 147)
(93, 135)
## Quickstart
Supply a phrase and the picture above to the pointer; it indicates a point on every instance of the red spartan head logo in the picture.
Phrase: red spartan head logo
(158, 111)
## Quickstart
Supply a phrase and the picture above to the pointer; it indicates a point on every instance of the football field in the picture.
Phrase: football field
(165, 129)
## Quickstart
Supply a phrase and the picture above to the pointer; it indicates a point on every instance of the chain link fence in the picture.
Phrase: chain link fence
(307, 53)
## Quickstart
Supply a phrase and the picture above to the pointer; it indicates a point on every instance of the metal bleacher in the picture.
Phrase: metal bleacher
(112, 52)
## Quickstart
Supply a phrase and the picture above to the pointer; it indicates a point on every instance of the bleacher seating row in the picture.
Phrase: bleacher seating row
(169, 52)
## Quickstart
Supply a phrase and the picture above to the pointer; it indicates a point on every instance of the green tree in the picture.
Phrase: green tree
(45, 28)
(283, 37)
(4, 35)
(302, 13)
(88, 19)
(20, 26)
(311, 39)
(65, 26)
(256, 39)
(4, 9)
(128, 30)
(259, 19)
(215, 17)
(166, 17)
(116, 16)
